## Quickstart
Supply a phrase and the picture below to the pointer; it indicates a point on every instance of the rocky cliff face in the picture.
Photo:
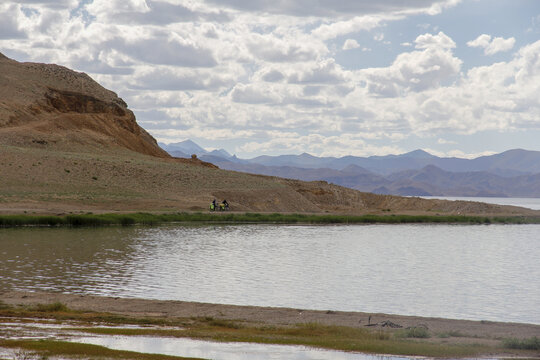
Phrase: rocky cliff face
(46, 104)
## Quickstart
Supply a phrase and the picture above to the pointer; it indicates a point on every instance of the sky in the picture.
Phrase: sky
(327, 77)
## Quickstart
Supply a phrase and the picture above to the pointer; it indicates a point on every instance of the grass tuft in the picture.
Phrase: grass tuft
(54, 307)
(532, 343)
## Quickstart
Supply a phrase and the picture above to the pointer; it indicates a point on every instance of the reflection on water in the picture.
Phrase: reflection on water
(472, 272)
(224, 351)
(178, 346)
(229, 351)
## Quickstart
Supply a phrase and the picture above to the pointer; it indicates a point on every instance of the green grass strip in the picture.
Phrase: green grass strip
(64, 348)
(95, 220)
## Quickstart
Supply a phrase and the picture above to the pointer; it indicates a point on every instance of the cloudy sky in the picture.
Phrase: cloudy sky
(327, 77)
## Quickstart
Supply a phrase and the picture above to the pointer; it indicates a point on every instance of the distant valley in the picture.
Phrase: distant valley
(514, 173)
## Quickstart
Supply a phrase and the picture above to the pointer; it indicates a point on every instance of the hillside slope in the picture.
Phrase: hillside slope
(50, 105)
(69, 145)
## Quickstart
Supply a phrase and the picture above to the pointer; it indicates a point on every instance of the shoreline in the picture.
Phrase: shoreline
(369, 333)
(279, 316)
(140, 218)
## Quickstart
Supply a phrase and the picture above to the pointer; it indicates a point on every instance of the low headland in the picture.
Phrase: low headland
(348, 331)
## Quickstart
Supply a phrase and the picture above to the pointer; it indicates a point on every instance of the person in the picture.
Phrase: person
(213, 205)
(224, 205)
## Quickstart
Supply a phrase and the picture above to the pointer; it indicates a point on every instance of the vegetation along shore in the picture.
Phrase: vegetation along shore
(250, 218)
(350, 331)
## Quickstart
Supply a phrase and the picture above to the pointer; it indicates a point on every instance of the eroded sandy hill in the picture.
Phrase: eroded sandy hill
(47, 104)
(69, 145)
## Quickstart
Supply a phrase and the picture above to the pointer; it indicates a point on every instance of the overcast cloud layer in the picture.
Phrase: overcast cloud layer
(336, 77)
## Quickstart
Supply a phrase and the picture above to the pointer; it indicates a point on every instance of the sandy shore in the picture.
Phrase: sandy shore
(487, 330)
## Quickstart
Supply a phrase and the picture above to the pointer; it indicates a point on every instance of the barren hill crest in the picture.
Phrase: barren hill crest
(52, 105)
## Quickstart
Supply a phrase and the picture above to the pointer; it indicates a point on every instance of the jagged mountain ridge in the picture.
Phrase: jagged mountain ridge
(418, 173)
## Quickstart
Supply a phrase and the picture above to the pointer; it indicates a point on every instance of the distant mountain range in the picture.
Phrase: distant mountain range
(513, 173)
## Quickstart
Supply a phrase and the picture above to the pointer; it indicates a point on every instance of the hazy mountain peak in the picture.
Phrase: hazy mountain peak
(187, 146)
(418, 154)
(221, 153)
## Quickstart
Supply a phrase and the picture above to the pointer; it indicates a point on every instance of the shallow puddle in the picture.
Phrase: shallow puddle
(227, 351)
(178, 346)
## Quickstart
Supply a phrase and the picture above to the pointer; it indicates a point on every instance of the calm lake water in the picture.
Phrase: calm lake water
(474, 272)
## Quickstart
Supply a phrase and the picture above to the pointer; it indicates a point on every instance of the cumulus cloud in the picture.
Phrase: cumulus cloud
(356, 24)
(9, 26)
(160, 49)
(275, 49)
(253, 94)
(430, 41)
(492, 46)
(153, 12)
(324, 72)
(271, 76)
(331, 8)
(350, 44)
(416, 70)
(177, 80)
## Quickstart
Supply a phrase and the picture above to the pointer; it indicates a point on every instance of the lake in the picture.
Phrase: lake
(478, 272)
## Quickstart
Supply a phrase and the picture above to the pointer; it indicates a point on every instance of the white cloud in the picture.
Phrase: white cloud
(171, 79)
(164, 50)
(275, 80)
(150, 12)
(416, 70)
(9, 22)
(334, 29)
(445, 142)
(332, 8)
(492, 46)
(459, 153)
(254, 94)
(350, 44)
(439, 41)
(323, 72)
(275, 49)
